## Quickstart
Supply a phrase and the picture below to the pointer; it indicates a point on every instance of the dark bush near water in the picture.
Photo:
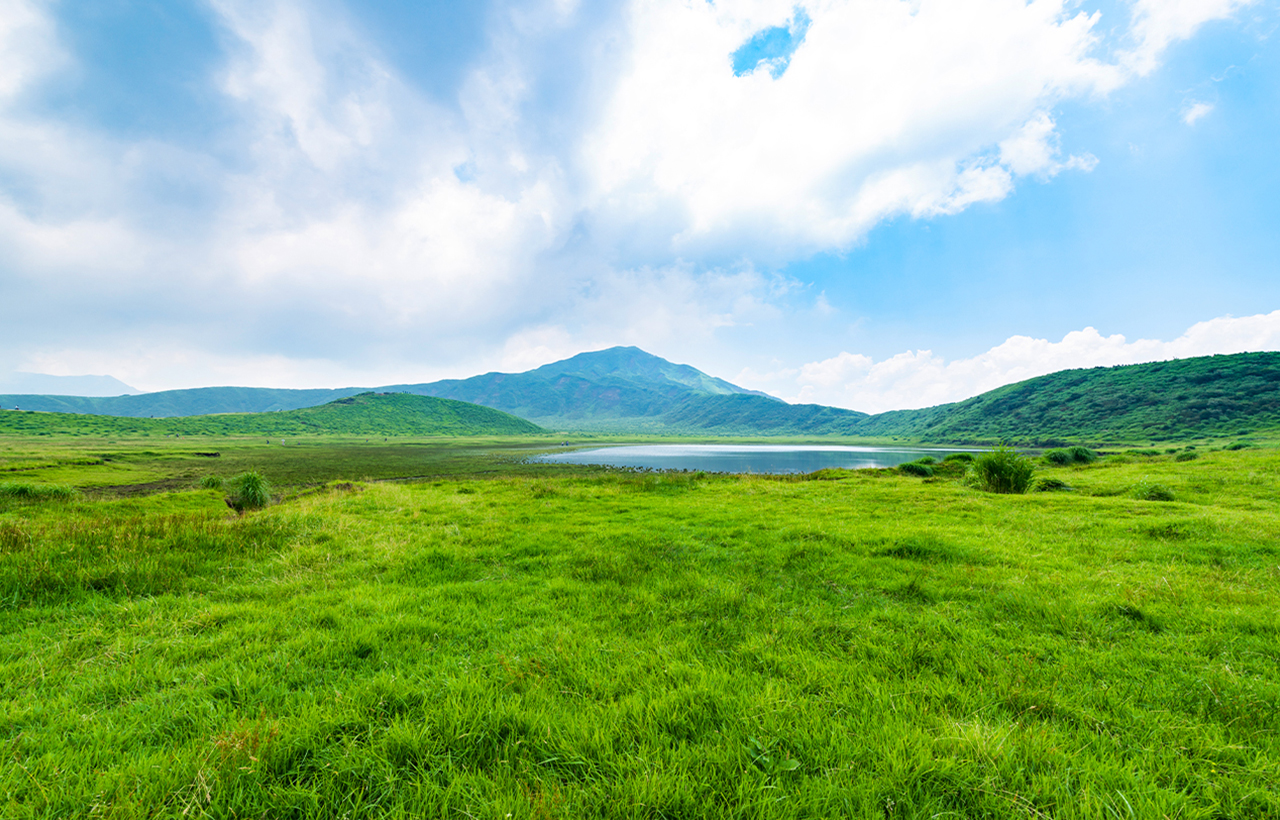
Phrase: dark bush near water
(1071, 455)
(916, 468)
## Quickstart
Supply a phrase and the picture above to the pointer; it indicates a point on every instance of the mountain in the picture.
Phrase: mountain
(624, 390)
(364, 414)
(63, 385)
(622, 387)
(197, 401)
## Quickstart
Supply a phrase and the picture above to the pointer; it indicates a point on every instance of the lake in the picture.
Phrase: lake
(743, 458)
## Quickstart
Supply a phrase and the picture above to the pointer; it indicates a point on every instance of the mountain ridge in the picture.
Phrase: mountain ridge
(625, 390)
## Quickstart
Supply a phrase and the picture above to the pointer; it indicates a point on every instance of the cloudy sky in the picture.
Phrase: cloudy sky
(867, 203)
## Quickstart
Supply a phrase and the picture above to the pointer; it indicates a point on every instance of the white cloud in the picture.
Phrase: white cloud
(1158, 24)
(1195, 111)
(886, 108)
(921, 379)
(344, 216)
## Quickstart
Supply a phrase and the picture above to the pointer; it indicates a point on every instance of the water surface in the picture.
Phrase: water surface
(743, 458)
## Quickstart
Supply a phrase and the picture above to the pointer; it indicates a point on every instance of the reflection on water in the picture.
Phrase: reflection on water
(743, 458)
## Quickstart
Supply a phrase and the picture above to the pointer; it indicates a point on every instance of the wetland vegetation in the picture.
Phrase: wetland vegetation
(436, 628)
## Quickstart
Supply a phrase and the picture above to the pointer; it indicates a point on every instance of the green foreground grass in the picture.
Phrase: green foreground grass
(569, 644)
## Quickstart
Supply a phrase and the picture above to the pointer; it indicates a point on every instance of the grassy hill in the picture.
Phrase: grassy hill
(376, 414)
(625, 390)
(1204, 397)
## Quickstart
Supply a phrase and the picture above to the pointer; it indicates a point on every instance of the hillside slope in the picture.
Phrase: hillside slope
(1208, 396)
(365, 414)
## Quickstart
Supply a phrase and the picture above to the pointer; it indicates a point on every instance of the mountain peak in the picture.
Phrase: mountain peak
(630, 363)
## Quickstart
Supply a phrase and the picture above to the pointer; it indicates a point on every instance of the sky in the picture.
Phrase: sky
(872, 204)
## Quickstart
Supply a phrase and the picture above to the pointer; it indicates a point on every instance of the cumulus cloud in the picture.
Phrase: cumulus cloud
(341, 215)
(919, 378)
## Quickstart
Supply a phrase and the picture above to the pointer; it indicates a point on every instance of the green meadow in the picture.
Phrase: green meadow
(434, 628)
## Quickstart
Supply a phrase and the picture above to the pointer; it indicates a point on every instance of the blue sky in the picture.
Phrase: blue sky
(867, 203)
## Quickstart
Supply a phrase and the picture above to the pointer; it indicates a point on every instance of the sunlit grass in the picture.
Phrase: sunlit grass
(652, 645)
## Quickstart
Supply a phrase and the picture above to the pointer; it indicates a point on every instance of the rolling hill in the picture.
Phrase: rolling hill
(1207, 396)
(624, 390)
(364, 414)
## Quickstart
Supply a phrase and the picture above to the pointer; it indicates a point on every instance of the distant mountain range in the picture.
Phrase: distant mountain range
(41, 383)
(364, 414)
(625, 390)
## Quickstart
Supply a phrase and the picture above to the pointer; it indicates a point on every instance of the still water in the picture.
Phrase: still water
(743, 458)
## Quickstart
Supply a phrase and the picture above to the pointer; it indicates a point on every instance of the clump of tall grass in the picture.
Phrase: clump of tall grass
(1071, 455)
(958, 457)
(1002, 470)
(23, 491)
(916, 468)
(1146, 490)
(248, 491)
(212, 482)
(1189, 455)
(1050, 485)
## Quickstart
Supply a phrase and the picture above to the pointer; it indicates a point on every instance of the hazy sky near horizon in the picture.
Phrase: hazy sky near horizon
(868, 203)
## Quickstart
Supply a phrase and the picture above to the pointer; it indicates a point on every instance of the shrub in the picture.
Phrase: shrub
(1150, 491)
(1186, 456)
(1002, 470)
(1071, 455)
(248, 491)
(915, 468)
(953, 457)
(1082, 455)
(1049, 485)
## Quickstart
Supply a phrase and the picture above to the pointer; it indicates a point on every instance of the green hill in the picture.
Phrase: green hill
(365, 414)
(197, 401)
(624, 390)
(1208, 396)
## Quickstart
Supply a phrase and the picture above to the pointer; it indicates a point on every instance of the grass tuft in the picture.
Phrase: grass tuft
(248, 491)
(22, 491)
(1002, 470)
(1146, 490)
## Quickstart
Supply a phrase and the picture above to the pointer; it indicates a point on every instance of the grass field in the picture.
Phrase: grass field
(506, 640)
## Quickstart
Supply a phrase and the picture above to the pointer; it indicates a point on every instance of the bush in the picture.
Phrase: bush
(1049, 485)
(1082, 455)
(1002, 470)
(915, 468)
(1150, 491)
(248, 491)
(954, 457)
(1186, 456)
(926, 460)
(1071, 455)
